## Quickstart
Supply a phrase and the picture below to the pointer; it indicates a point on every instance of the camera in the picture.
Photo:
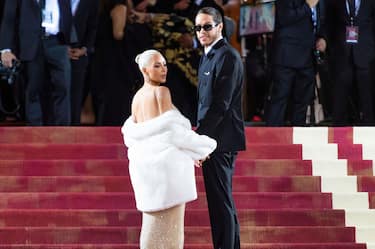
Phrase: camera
(319, 57)
(9, 74)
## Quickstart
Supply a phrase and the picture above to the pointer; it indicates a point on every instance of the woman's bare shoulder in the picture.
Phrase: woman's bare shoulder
(162, 92)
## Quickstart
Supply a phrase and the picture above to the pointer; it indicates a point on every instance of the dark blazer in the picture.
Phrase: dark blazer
(219, 103)
(85, 21)
(294, 37)
(337, 20)
(21, 27)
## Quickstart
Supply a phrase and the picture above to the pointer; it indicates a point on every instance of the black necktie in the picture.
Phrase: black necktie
(42, 4)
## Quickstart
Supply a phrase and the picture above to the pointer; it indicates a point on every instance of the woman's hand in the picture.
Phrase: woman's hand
(199, 163)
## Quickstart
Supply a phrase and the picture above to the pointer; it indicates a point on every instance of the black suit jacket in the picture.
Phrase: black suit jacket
(337, 20)
(294, 37)
(21, 27)
(220, 94)
(85, 21)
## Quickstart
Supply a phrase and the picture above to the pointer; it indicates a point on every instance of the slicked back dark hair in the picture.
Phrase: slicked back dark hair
(216, 16)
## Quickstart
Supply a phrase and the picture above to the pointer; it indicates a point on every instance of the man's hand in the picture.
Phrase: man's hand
(321, 45)
(312, 3)
(7, 58)
(76, 53)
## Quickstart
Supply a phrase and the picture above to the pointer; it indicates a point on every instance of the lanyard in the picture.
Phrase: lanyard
(352, 6)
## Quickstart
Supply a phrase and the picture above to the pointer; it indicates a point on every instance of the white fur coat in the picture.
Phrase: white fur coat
(161, 154)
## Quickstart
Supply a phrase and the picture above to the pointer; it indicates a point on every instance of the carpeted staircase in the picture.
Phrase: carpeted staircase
(295, 188)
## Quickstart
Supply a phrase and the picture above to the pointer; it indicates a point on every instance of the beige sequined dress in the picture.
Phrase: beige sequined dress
(161, 154)
(163, 229)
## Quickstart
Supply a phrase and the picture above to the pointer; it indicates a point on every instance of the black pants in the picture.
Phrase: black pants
(47, 100)
(79, 69)
(348, 78)
(297, 83)
(217, 172)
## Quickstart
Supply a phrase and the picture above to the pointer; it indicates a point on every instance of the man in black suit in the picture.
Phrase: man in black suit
(297, 35)
(352, 57)
(37, 32)
(220, 84)
(85, 18)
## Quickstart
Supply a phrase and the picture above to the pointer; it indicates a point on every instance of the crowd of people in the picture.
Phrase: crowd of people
(157, 67)
(319, 49)
(103, 37)
(77, 50)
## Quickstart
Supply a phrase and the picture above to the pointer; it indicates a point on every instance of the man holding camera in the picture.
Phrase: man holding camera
(298, 34)
(37, 32)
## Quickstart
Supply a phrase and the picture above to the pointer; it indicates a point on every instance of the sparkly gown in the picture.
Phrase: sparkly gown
(161, 154)
(163, 229)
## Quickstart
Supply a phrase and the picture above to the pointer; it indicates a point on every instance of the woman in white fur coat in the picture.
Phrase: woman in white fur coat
(162, 152)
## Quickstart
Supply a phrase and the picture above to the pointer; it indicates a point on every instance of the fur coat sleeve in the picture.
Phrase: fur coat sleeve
(161, 154)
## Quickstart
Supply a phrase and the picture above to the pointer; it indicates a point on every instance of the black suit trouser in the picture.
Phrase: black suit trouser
(79, 68)
(347, 77)
(47, 99)
(297, 83)
(218, 172)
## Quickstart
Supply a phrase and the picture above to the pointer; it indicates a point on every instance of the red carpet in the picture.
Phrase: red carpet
(68, 188)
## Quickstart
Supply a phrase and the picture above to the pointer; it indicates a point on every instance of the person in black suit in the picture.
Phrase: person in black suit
(220, 116)
(352, 58)
(85, 17)
(297, 36)
(37, 32)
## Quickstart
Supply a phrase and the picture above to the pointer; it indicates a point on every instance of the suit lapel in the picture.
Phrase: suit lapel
(64, 5)
(204, 68)
(80, 6)
(361, 7)
(36, 7)
(218, 45)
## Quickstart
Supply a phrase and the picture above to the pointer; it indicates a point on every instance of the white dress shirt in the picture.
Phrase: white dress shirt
(51, 17)
(207, 49)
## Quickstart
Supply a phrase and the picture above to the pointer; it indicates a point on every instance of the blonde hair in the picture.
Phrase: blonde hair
(143, 59)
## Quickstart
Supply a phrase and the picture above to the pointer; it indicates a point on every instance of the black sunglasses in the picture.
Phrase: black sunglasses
(206, 27)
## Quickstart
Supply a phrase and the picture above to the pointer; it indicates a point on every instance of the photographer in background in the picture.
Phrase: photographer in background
(298, 34)
(10, 88)
(37, 33)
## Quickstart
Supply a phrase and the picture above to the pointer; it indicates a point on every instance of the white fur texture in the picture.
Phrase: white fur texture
(161, 154)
